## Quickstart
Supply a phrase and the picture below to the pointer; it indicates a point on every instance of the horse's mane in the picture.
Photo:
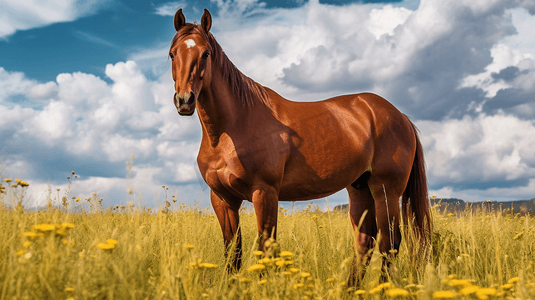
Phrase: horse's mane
(248, 91)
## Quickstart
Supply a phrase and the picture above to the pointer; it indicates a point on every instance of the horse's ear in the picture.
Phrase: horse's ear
(180, 20)
(206, 21)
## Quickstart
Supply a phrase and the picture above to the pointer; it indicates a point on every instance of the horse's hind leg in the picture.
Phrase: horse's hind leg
(387, 215)
(362, 212)
(229, 219)
(265, 201)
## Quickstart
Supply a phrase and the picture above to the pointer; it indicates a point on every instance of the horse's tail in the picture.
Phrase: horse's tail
(415, 202)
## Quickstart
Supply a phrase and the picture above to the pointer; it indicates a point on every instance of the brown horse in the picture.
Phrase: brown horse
(261, 147)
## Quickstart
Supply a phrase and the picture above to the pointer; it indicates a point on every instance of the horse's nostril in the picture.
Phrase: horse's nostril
(191, 98)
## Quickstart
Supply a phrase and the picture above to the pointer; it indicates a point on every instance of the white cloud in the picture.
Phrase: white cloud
(385, 20)
(53, 123)
(524, 24)
(43, 91)
(13, 83)
(22, 15)
(169, 8)
(502, 57)
(316, 50)
(85, 118)
(479, 150)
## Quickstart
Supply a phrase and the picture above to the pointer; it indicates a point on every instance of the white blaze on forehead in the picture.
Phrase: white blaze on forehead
(190, 43)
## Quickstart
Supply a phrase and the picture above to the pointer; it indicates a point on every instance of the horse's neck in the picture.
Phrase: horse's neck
(220, 111)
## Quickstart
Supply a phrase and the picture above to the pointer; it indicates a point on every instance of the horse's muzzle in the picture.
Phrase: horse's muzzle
(186, 105)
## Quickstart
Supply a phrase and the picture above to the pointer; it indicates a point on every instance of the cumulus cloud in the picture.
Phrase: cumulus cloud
(417, 59)
(43, 91)
(23, 15)
(480, 153)
(92, 127)
(12, 83)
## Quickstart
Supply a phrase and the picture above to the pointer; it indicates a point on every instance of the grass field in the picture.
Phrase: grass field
(78, 250)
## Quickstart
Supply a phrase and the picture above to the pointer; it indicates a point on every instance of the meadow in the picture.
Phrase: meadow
(78, 249)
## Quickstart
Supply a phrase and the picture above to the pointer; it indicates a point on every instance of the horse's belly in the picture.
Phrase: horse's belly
(306, 182)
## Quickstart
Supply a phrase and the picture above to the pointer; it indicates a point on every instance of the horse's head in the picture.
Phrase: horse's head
(191, 61)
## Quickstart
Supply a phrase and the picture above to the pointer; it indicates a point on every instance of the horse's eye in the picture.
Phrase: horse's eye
(172, 56)
(206, 54)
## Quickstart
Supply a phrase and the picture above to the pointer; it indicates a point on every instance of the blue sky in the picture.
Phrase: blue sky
(85, 84)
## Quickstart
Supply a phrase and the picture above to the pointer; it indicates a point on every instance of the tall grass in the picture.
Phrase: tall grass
(177, 253)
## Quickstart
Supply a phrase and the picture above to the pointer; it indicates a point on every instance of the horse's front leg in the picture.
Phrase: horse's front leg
(265, 200)
(227, 212)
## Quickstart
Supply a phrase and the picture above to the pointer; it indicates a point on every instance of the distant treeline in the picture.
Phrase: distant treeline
(453, 205)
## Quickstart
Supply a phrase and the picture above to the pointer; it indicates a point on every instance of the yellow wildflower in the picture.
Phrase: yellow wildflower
(61, 232)
(519, 235)
(189, 246)
(459, 283)
(8, 180)
(44, 227)
(298, 286)
(507, 286)
(26, 244)
(385, 285)
(360, 292)
(514, 280)
(265, 260)
(330, 279)
(67, 225)
(443, 295)
(112, 241)
(380, 287)
(262, 282)
(20, 252)
(486, 291)
(450, 215)
(305, 274)
(280, 263)
(17, 180)
(294, 270)
(77, 199)
(256, 267)
(286, 254)
(245, 279)
(258, 253)
(106, 246)
(286, 273)
(69, 289)
(469, 290)
(14, 185)
(208, 265)
(24, 184)
(396, 292)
